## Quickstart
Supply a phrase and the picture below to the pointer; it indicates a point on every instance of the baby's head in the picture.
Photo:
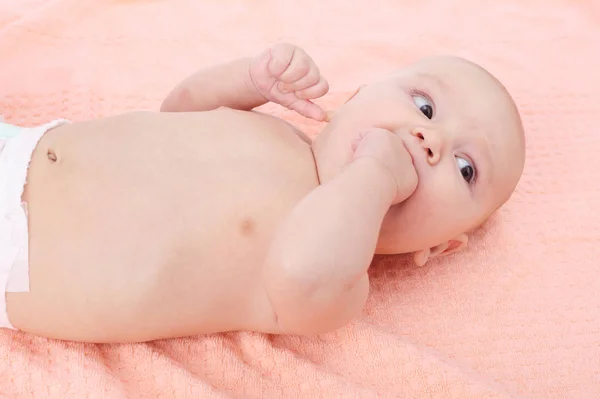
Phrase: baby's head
(466, 139)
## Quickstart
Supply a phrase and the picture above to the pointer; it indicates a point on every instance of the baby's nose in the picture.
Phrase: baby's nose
(431, 143)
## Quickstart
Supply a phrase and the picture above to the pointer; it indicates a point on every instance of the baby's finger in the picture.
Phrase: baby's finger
(308, 80)
(316, 91)
(308, 110)
(280, 59)
(299, 66)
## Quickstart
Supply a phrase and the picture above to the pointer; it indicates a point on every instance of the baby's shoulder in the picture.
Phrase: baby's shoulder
(281, 126)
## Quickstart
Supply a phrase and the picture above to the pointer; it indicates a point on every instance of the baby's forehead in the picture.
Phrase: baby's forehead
(441, 64)
(449, 71)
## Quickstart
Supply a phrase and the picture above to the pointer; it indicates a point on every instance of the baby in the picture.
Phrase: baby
(210, 217)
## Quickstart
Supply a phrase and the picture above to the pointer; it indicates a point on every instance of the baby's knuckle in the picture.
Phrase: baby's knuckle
(282, 53)
(301, 53)
(303, 68)
(284, 46)
(314, 74)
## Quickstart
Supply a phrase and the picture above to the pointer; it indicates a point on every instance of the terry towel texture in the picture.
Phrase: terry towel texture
(518, 315)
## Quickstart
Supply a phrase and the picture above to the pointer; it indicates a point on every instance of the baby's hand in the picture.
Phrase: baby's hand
(387, 148)
(286, 75)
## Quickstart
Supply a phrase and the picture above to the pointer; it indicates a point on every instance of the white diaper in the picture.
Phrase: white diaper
(16, 148)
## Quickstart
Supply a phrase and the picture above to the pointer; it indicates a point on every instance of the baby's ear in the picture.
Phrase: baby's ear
(446, 248)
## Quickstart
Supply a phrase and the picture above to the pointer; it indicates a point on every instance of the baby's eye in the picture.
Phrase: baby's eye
(424, 105)
(466, 169)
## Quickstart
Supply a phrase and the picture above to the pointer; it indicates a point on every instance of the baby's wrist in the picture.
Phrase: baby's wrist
(250, 79)
(379, 176)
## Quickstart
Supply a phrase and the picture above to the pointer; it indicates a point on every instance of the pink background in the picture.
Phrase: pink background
(517, 314)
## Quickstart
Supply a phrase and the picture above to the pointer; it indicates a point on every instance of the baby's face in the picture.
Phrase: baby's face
(466, 140)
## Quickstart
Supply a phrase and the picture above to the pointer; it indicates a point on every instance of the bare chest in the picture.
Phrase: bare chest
(193, 201)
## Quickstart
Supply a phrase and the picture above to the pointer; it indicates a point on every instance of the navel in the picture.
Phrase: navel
(52, 156)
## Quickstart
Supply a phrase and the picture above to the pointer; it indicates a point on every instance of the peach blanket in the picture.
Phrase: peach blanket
(518, 315)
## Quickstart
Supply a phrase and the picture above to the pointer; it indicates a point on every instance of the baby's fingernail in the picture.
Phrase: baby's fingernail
(328, 116)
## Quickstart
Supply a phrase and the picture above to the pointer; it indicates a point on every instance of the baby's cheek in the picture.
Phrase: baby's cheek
(434, 196)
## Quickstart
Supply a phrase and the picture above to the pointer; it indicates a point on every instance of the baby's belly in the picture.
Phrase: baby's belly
(145, 241)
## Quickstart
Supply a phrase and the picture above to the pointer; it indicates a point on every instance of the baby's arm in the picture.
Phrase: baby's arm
(226, 85)
(284, 74)
(316, 273)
